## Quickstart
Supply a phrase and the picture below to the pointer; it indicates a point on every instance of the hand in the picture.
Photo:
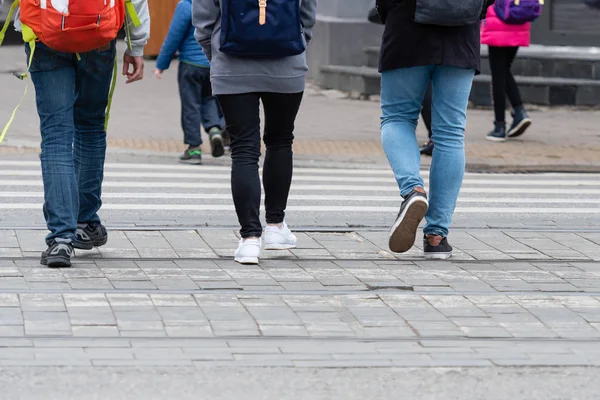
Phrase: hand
(158, 73)
(137, 64)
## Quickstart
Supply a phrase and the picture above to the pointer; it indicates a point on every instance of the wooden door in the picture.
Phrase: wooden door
(161, 13)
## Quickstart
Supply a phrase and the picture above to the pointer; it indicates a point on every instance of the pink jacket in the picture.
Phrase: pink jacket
(494, 32)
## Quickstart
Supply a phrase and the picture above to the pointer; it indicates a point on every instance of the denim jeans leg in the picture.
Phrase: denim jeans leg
(53, 75)
(451, 89)
(190, 93)
(94, 75)
(211, 115)
(402, 92)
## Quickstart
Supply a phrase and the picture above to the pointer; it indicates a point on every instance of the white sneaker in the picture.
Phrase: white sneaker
(248, 251)
(279, 239)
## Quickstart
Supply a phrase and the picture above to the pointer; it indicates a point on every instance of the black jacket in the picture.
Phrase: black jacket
(406, 43)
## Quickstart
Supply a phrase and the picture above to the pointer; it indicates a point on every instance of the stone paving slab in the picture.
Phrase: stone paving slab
(303, 353)
(490, 245)
(374, 316)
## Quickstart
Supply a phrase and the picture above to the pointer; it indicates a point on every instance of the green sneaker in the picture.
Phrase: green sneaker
(216, 142)
(193, 155)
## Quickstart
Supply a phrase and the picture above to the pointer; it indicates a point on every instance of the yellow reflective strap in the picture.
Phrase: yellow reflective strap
(135, 19)
(113, 85)
(78, 56)
(13, 7)
(22, 76)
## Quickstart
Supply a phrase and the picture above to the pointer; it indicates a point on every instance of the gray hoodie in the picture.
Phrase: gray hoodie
(234, 75)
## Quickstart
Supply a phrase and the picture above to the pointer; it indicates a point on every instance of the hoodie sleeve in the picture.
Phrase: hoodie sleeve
(139, 35)
(205, 14)
(308, 14)
(175, 36)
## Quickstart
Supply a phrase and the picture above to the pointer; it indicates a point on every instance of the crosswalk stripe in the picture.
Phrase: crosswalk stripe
(300, 170)
(311, 178)
(344, 209)
(332, 187)
(293, 197)
(159, 188)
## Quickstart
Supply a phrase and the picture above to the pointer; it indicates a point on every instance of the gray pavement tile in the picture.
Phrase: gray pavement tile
(69, 362)
(90, 283)
(141, 363)
(12, 331)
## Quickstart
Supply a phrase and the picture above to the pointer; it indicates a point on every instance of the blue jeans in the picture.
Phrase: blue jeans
(402, 92)
(198, 105)
(71, 97)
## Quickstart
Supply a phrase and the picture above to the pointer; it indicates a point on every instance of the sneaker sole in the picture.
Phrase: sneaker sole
(246, 260)
(89, 246)
(494, 139)
(192, 162)
(216, 144)
(520, 129)
(279, 246)
(57, 262)
(438, 256)
(404, 231)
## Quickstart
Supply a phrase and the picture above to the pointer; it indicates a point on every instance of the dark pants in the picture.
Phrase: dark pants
(71, 98)
(426, 111)
(503, 82)
(242, 115)
(198, 106)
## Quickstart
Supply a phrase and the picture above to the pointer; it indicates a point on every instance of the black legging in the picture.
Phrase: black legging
(242, 114)
(503, 82)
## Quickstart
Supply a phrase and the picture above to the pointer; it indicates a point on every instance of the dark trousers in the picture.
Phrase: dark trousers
(198, 106)
(503, 82)
(242, 115)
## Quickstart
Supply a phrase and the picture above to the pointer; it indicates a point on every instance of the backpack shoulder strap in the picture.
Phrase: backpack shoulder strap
(9, 18)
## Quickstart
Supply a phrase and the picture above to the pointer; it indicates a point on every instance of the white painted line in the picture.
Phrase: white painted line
(201, 177)
(330, 209)
(379, 171)
(327, 198)
(201, 186)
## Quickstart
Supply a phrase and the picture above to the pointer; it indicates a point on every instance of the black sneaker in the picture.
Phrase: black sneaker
(58, 255)
(442, 251)
(521, 122)
(427, 148)
(217, 145)
(403, 233)
(90, 236)
(499, 132)
(193, 155)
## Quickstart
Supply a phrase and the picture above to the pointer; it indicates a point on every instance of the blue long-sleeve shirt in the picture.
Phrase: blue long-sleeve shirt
(181, 38)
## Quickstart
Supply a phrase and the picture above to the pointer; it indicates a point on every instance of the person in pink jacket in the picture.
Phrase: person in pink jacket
(503, 41)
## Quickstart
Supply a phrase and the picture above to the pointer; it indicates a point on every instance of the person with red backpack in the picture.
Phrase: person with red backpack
(506, 28)
(71, 52)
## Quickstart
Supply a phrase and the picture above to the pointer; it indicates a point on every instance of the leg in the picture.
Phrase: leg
(211, 115)
(190, 93)
(94, 75)
(243, 123)
(498, 65)
(402, 92)
(53, 75)
(426, 110)
(280, 116)
(451, 89)
(511, 85)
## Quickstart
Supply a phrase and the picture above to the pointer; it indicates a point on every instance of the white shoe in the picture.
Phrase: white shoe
(279, 239)
(248, 251)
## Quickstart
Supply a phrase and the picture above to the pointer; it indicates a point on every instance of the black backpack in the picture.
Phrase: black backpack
(449, 12)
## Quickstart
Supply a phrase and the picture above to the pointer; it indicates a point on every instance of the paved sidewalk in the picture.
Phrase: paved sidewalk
(153, 298)
(329, 127)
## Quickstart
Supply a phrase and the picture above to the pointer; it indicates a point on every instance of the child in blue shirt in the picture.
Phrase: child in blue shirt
(198, 106)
